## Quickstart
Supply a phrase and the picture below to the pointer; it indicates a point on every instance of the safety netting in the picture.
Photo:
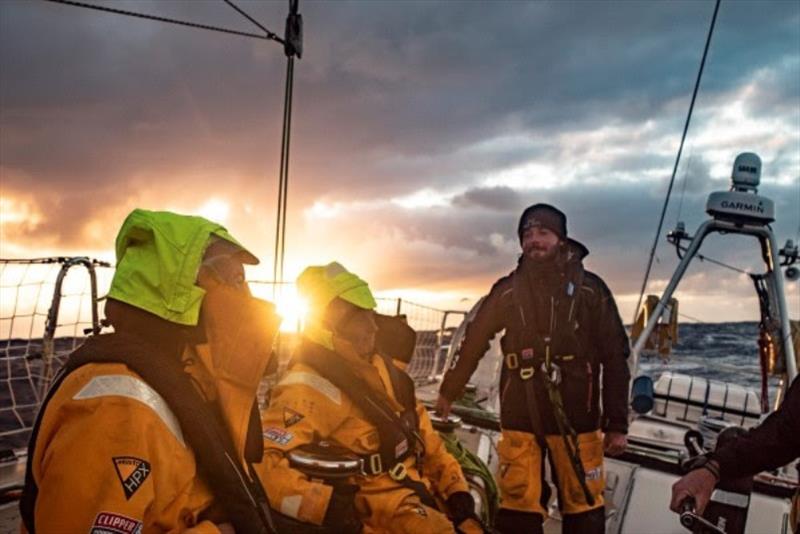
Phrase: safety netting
(46, 310)
(49, 306)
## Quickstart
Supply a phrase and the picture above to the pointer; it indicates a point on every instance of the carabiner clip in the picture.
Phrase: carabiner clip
(512, 362)
(398, 472)
(555, 374)
(526, 373)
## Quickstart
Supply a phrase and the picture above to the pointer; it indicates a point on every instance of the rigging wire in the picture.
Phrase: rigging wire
(269, 36)
(722, 264)
(251, 19)
(687, 316)
(677, 160)
(292, 47)
(283, 182)
(701, 257)
(685, 179)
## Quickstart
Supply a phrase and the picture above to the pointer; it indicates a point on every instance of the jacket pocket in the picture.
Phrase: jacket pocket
(514, 470)
(576, 385)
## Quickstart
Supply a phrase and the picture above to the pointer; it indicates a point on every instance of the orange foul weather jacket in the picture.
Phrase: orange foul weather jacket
(305, 408)
(110, 455)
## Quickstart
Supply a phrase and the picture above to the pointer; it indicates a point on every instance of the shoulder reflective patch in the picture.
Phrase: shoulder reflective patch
(132, 388)
(314, 381)
(111, 523)
(291, 505)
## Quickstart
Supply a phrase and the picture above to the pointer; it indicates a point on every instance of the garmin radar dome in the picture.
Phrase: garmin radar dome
(746, 174)
(741, 204)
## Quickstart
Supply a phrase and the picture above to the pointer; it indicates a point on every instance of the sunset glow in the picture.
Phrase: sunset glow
(416, 141)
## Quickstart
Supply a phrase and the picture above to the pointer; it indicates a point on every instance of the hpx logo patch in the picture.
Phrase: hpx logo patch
(110, 523)
(291, 417)
(132, 472)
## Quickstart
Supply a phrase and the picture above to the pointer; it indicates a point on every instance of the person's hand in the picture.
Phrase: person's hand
(443, 406)
(461, 506)
(341, 513)
(697, 484)
(614, 443)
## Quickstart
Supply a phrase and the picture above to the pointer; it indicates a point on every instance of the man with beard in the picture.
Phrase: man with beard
(342, 393)
(152, 428)
(562, 332)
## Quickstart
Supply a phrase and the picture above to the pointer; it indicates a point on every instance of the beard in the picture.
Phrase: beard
(541, 255)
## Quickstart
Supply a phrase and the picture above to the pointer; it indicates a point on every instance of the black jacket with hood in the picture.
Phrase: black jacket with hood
(770, 445)
(594, 334)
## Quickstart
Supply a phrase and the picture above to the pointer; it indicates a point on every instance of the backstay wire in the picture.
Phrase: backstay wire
(677, 162)
(292, 47)
(270, 36)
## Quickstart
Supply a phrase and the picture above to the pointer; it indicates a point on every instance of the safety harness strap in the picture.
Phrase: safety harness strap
(398, 435)
(528, 368)
(527, 372)
(201, 424)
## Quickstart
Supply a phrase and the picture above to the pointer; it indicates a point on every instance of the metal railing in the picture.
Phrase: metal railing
(49, 305)
(35, 337)
(434, 329)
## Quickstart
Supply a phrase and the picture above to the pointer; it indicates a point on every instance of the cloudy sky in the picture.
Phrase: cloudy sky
(421, 131)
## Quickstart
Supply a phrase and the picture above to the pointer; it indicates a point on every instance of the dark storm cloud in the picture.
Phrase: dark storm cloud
(495, 198)
(384, 79)
(477, 241)
(99, 112)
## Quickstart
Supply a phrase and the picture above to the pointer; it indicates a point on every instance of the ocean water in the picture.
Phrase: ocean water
(725, 352)
(719, 351)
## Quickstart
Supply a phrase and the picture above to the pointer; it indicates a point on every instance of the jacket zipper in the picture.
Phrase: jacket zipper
(589, 388)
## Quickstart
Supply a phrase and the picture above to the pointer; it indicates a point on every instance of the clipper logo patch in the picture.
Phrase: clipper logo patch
(291, 417)
(594, 474)
(110, 523)
(278, 435)
(132, 473)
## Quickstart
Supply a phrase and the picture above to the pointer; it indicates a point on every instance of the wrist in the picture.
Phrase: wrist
(712, 467)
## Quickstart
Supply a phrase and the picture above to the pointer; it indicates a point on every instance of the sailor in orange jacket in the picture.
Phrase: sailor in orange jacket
(112, 451)
(307, 407)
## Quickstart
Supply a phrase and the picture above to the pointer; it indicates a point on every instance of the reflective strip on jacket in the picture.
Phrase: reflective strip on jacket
(306, 408)
(110, 453)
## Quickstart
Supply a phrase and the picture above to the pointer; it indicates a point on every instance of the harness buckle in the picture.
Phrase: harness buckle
(512, 362)
(526, 372)
(555, 374)
(398, 472)
(375, 464)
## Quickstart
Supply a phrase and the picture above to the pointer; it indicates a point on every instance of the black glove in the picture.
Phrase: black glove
(341, 511)
(460, 507)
